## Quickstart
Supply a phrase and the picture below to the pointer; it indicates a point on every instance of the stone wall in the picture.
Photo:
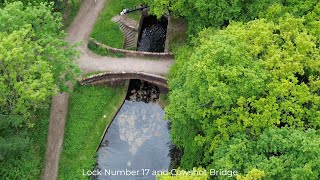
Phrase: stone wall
(130, 30)
(116, 77)
(176, 32)
(133, 53)
(167, 49)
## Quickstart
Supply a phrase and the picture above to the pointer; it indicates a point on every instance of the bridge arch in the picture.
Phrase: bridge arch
(113, 77)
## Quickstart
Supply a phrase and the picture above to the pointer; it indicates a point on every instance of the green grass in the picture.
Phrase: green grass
(105, 30)
(85, 75)
(30, 164)
(85, 126)
(136, 15)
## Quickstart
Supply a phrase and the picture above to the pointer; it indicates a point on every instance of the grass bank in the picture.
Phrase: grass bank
(85, 126)
(105, 30)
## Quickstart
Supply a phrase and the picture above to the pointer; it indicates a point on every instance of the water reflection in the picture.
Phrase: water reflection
(136, 141)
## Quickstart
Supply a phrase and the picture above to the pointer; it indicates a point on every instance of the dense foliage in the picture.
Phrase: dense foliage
(243, 80)
(283, 153)
(11, 143)
(35, 63)
(22, 150)
(178, 174)
(68, 8)
(217, 13)
(26, 80)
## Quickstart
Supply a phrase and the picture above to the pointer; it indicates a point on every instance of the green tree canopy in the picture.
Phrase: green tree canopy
(280, 153)
(35, 60)
(178, 174)
(26, 79)
(12, 143)
(244, 79)
(35, 63)
(217, 13)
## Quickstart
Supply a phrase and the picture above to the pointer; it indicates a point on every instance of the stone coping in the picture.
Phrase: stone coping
(133, 53)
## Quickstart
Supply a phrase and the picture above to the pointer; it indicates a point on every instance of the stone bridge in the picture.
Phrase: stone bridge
(112, 78)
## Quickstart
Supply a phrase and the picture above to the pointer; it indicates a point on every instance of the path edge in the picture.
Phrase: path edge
(57, 122)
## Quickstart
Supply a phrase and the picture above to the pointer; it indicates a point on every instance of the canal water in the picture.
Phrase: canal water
(137, 143)
(153, 34)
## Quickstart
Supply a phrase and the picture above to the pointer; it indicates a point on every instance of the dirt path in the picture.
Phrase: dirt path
(58, 114)
(79, 30)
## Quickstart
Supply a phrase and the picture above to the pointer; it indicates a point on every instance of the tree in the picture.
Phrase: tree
(12, 143)
(35, 59)
(254, 173)
(35, 63)
(244, 79)
(178, 174)
(219, 13)
(278, 153)
(219, 73)
(298, 8)
(199, 13)
(26, 80)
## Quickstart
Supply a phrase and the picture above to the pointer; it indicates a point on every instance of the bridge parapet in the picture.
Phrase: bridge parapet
(114, 77)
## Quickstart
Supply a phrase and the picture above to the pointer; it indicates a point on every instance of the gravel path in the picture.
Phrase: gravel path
(79, 30)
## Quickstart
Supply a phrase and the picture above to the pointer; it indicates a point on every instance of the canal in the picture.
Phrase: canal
(137, 141)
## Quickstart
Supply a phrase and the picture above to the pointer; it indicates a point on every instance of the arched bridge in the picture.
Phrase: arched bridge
(110, 77)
